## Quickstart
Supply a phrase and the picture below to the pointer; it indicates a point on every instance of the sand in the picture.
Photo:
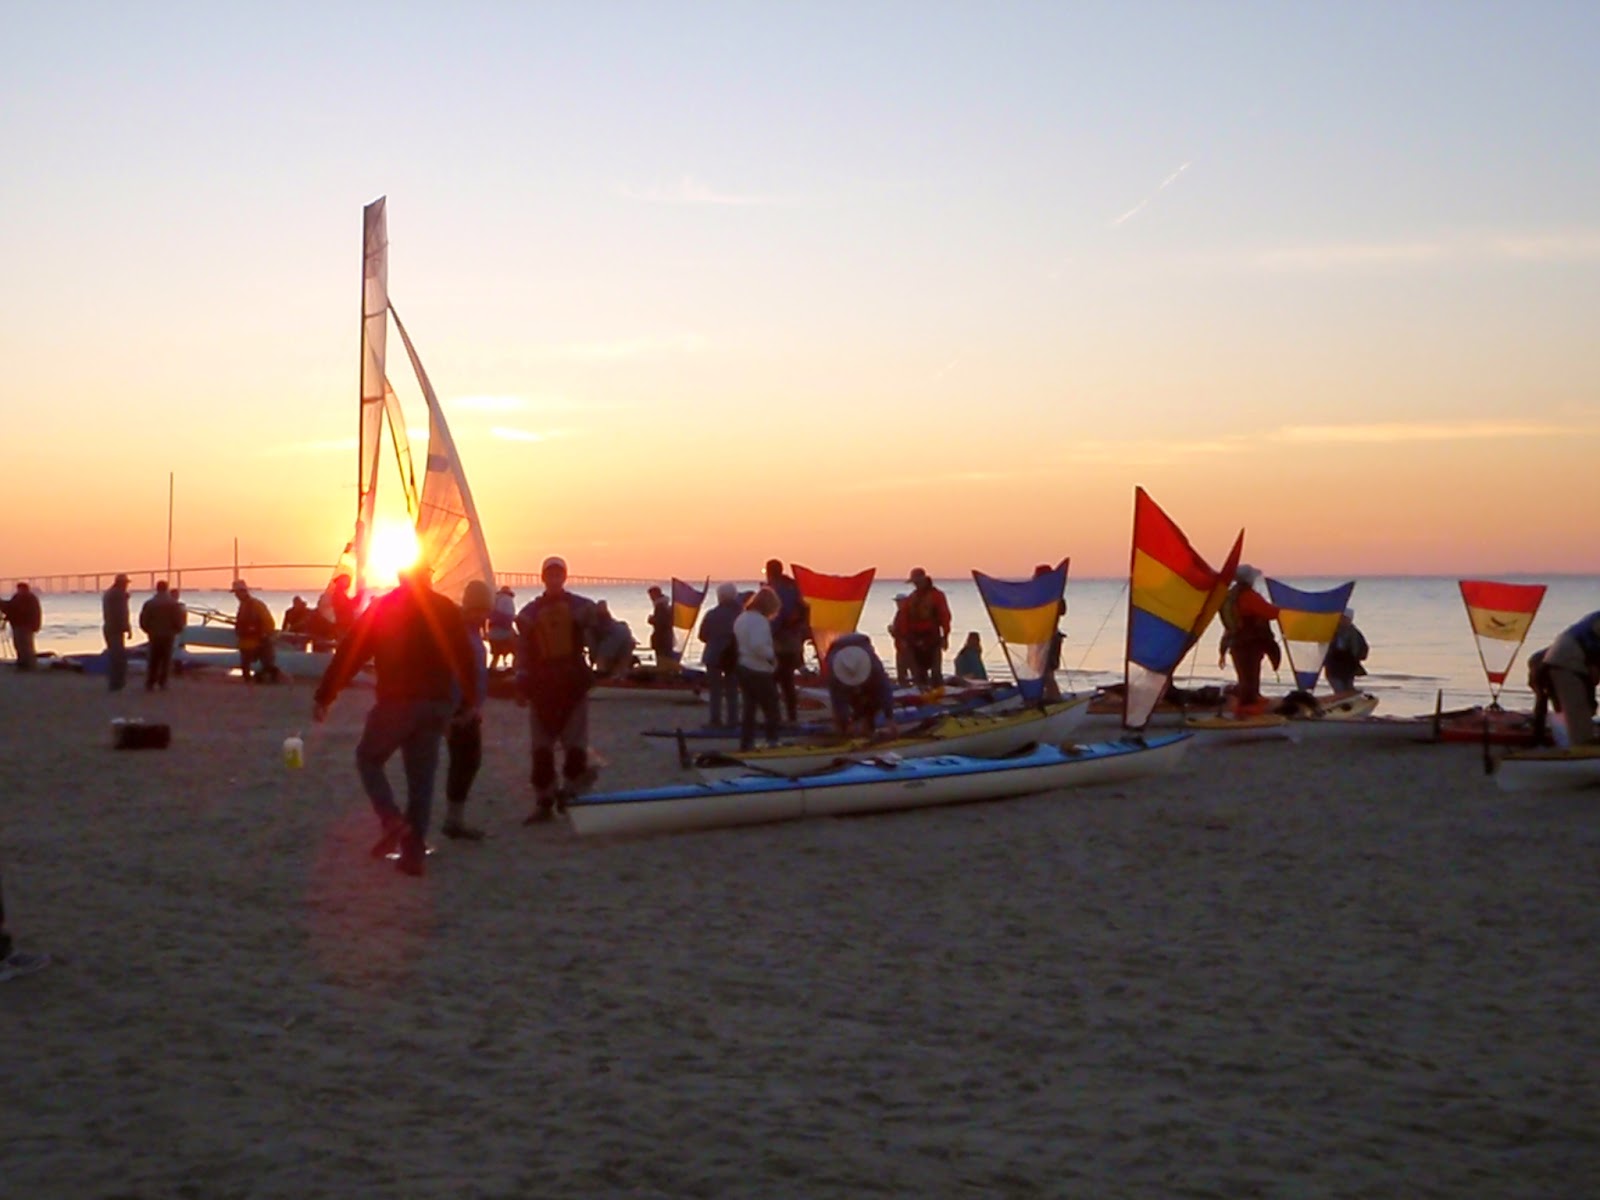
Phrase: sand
(1294, 971)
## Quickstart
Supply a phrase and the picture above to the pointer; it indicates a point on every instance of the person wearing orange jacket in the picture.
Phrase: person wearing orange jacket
(1247, 618)
(927, 625)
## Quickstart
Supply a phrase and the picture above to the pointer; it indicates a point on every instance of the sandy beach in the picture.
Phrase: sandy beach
(1290, 970)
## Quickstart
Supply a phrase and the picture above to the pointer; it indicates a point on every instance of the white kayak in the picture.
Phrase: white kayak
(979, 734)
(1549, 770)
(877, 785)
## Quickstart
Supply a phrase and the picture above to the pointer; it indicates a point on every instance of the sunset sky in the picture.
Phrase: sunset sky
(851, 284)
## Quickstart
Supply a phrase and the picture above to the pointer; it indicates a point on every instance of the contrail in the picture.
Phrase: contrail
(1139, 207)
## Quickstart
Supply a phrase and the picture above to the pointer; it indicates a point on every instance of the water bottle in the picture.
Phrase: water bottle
(294, 752)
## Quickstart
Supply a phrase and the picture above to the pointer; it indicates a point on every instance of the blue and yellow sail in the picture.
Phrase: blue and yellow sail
(1308, 622)
(686, 602)
(1025, 616)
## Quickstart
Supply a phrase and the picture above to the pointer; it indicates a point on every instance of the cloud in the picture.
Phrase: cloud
(1551, 246)
(1383, 433)
(1143, 204)
(690, 191)
(508, 433)
(945, 370)
(489, 404)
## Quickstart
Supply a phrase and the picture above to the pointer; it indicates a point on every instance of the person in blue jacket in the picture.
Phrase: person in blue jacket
(858, 687)
(721, 655)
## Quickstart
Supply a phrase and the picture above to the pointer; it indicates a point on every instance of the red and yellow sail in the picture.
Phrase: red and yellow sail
(835, 603)
(1501, 615)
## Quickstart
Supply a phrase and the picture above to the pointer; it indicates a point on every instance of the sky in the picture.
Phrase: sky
(852, 284)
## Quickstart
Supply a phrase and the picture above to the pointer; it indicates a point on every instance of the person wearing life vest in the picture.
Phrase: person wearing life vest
(553, 679)
(1571, 668)
(1247, 618)
(858, 687)
(927, 629)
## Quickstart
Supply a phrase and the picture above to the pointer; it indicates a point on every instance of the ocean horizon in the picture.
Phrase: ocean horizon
(1421, 641)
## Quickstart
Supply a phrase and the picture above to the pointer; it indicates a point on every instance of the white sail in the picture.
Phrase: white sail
(449, 537)
(374, 338)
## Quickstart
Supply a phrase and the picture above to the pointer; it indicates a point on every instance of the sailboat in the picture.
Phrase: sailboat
(449, 535)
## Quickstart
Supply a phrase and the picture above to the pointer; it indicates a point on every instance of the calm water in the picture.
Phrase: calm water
(1421, 641)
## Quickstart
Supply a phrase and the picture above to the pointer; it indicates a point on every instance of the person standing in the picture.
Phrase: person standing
(758, 666)
(417, 642)
(1247, 618)
(1051, 692)
(661, 639)
(26, 618)
(1571, 665)
(161, 618)
(791, 626)
(117, 629)
(553, 679)
(722, 680)
(465, 739)
(902, 642)
(1346, 653)
(927, 629)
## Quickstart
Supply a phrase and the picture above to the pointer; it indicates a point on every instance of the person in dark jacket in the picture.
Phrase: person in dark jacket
(465, 739)
(858, 687)
(297, 618)
(1346, 653)
(790, 629)
(553, 679)
(117, 629)
(162, 619)
(417, 642)
(1570, 667)
(26, 618)
(253, 626)
(661, 634)
(721, 658)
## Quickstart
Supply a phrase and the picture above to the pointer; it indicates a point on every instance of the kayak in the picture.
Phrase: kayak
(1548, 770)
(812, 696)
(647, 683)
(1223, 729)
(1498, 726)
(873, 785)
(978, 735)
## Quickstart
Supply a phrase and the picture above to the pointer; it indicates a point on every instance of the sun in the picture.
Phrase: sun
(393, 548)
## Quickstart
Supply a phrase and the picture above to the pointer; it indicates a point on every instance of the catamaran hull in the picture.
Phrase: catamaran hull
(871, 787)
(974, 735)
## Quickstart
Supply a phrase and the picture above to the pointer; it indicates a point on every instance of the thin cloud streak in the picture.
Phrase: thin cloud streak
(1555, 246)
(322, 446)
(1386, 433)
(1145, 203)
(623, 348)
(691, 192)
(508, 433)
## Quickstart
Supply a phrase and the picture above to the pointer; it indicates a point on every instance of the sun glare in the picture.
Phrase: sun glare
(394, 548)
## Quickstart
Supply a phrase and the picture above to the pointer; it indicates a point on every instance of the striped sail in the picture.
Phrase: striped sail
(1308, 622)
(1501, 615)
(686, 602)
(1172, 596)
(1025, 616)
(835, 602)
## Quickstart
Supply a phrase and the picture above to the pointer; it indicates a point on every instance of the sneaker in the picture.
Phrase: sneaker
(463, 833)
(389, 844)
(413, 858)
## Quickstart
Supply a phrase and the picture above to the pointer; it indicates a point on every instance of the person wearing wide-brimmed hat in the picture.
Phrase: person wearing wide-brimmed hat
(859, 690)
(117, 627)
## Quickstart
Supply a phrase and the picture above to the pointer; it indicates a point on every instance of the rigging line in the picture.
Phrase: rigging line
(1089, 649)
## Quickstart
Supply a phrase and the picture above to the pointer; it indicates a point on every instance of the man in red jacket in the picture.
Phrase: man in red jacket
(1247, 618)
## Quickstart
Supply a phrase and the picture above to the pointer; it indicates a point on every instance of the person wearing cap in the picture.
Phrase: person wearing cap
(26, 618)
(858, 687)
(464, 739)
(1051, 691)
(1346, 653)
(117, 628)
(927, 629)
(162, 620)
(721, 657)
(253, 627)
(553, 679)
(1247, 618)
(969, 659)
(416, 641)
(661, 638)
(791, 626)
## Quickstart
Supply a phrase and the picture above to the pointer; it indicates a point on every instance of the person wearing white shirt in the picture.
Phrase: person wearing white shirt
(758, 662)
